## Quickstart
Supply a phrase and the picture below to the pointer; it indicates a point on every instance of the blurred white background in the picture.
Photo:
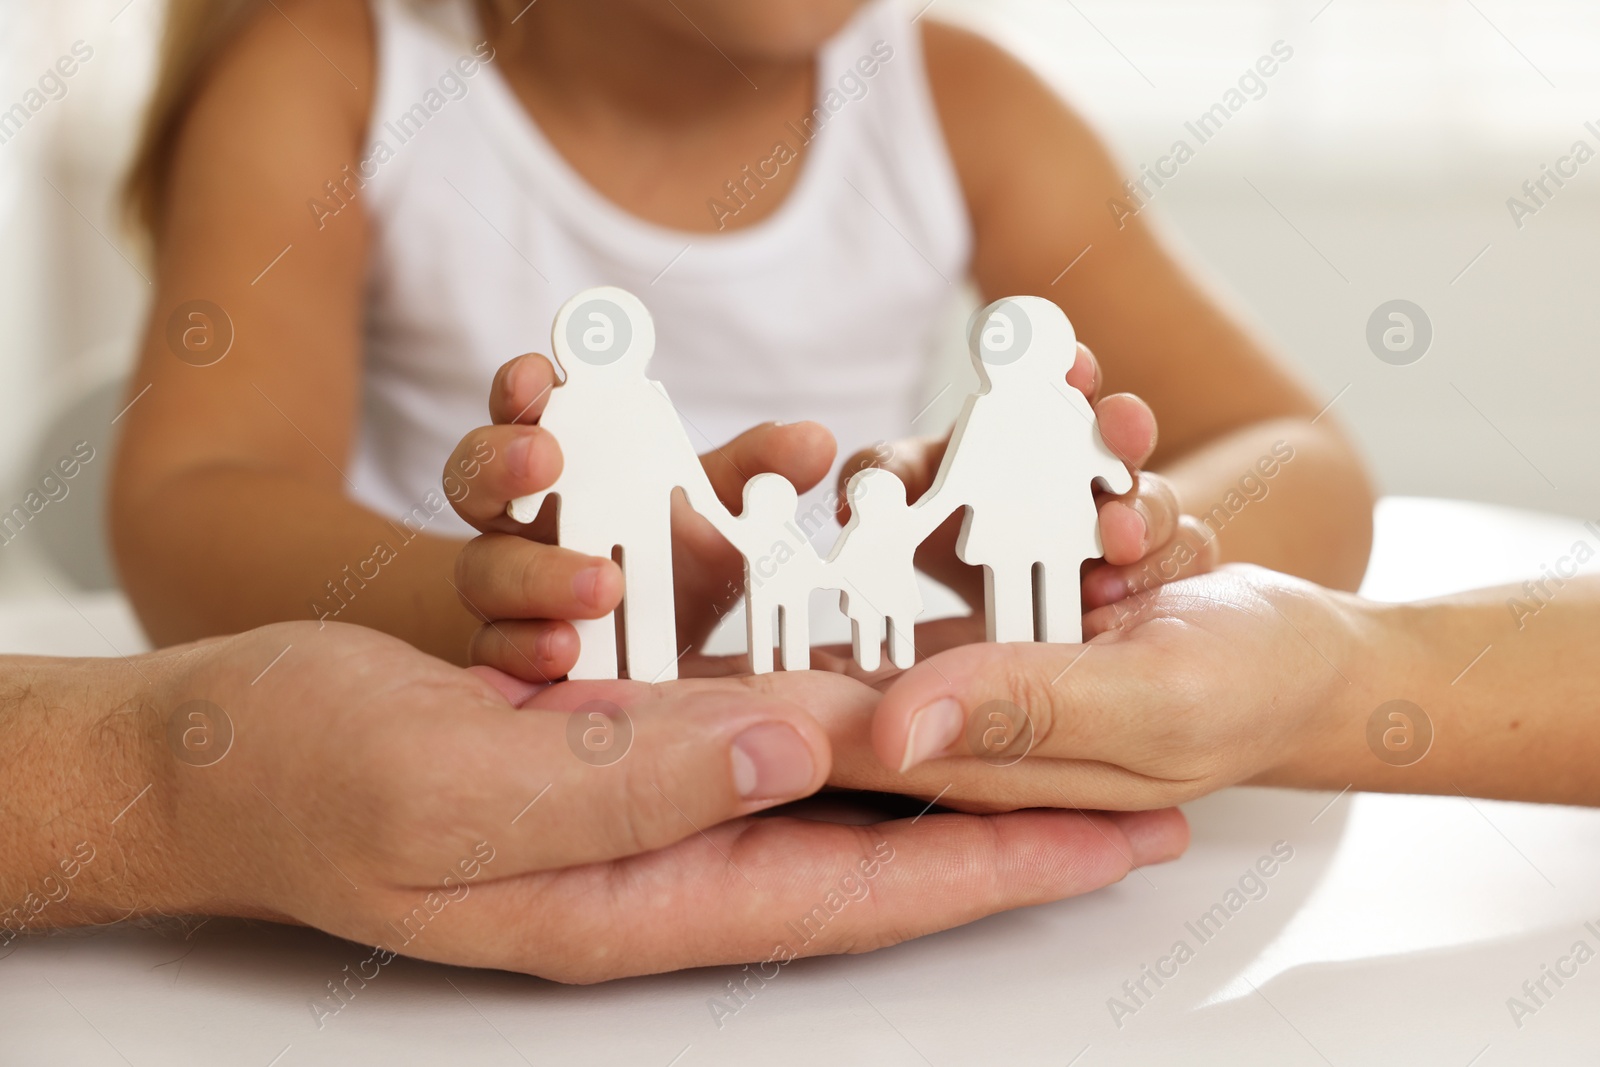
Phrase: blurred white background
(1376, 166)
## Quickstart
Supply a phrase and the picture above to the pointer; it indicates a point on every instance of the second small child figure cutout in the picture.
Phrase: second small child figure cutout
(1023, 460)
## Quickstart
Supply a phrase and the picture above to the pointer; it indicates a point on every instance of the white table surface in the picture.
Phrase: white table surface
(1395, 935)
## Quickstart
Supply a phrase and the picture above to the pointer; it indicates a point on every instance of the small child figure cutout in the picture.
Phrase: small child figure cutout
(780, 571)
(872, 566)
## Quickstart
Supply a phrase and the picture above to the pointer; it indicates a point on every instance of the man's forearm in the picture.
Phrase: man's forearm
(223, 551)
(1286, 494)
(81, 784)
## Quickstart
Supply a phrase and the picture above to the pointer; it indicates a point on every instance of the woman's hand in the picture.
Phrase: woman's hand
(601, 829)
(1148, 539)
(1230, 677)
(525, 587)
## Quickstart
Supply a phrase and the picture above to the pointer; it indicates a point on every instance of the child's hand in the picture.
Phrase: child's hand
(525, 587)
(1148, 540)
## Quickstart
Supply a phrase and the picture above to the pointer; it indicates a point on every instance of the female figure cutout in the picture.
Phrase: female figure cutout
(1023, 458)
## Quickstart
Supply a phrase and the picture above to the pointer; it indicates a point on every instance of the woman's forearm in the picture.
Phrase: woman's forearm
(226, 549)
(1287, 494)
(1492, 693)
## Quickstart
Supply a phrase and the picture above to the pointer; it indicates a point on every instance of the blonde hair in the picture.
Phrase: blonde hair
(196, 32)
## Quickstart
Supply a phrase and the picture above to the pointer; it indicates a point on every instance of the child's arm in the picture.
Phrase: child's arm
(231, 500)
(231, 503)
(1039, 186)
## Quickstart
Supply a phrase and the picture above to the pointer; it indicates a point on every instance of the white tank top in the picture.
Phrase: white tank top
(823, 310)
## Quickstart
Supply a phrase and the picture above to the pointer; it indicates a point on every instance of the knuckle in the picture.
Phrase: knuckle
(1023, 684)
(463, 448)
(859, 461)
(485, 646)
(544, 456)
(645, 819)
(1199, 552)
(535, 583)
(1160, 494)
(467, 570)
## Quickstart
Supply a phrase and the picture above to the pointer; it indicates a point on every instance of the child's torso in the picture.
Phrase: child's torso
(822, 310)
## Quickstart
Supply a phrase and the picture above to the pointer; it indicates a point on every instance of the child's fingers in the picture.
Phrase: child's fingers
(1189, 551)
(1085, 374)
(521, 389)
(533, 650)
(1128, 427)
(494, 465)
(1136, 522)
(516, 691)
(503, 576)
(800, 451)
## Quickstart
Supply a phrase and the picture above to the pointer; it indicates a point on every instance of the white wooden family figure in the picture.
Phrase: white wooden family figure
(1023, 460)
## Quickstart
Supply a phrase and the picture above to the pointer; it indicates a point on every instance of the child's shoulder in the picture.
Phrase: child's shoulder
(984, 94)
(1012, 137)
(974, 78)
(272, 111)
(276, 107)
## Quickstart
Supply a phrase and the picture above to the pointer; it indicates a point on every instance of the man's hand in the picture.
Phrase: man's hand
(525, 587)
(600, 829)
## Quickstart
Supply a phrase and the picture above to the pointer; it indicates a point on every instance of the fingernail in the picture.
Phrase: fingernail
(772, 762)
(519, 456)
(544, 646)
(934, 728)
(586, 585)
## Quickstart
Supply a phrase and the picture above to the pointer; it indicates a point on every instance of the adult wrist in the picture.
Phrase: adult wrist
(86, 789)
(1369, 649)
(1377, 728)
